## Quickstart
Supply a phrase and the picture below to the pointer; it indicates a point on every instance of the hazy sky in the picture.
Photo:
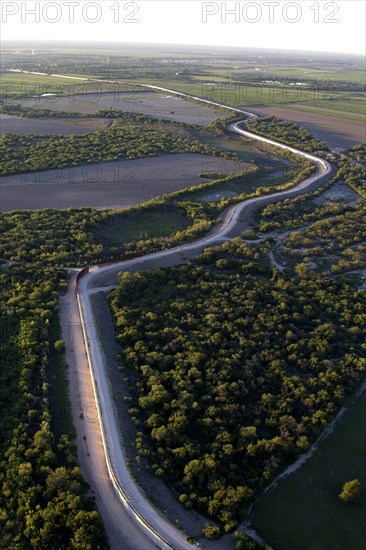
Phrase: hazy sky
(303, 25)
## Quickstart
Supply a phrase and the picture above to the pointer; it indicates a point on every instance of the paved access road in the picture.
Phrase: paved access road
(131, 521)
(235, 222)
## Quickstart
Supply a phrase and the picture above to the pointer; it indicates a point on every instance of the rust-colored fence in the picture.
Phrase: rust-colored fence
(124, 258)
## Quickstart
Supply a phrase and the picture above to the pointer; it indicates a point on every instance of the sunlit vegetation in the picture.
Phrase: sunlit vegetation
(234, 369)
(286, 132)
(243, 542)
(337, 231)
(358, 153)
(329, 235)
(43, 502)
(83, 236)
(354, 170)
(293, 212)
(351, 491)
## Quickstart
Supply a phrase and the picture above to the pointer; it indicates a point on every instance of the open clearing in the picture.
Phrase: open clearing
(52, 126)
(143, 225)
(111, 184)
(304, 510)
(338, 192)
(337, 132)
(148, 103)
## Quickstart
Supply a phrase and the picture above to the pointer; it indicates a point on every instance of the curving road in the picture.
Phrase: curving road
(236, 220)
(131, 521)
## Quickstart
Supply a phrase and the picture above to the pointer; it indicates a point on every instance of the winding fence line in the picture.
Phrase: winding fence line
(172, 539)
(177, 541)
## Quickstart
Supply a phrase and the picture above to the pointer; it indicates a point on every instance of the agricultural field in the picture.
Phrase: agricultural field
(152, 104)
(23, 85)
(51, 126)
(356, 111)
(116, 184)
(336, 132)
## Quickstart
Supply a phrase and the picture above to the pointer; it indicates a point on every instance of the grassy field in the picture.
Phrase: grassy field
(304, 512)
(225, 90)
(145, 225)
(240, 93)
(354, 104)
(247, 152)
(333, 112)
(21, 85)
(31, 79)
(299, 73)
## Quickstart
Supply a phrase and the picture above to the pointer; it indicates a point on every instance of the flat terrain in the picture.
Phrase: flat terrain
(304, 511)
(336, 132)
(111, 184)
(338, 113)
(10, 124)
(338, 192)
(143, 225)
(148, 103)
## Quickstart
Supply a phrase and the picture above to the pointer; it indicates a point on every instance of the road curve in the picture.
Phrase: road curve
(100, 451)
(162, 533)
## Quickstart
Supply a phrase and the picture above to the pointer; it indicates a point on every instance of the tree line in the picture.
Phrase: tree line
(44, 501)
(286, 132)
